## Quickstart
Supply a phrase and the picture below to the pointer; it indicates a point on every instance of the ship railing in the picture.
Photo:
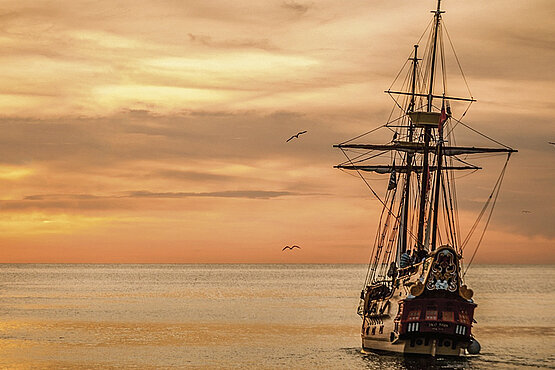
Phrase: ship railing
(407, 272)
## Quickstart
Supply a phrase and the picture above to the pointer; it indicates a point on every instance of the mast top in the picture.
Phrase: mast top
(438, 10)
(415, 58)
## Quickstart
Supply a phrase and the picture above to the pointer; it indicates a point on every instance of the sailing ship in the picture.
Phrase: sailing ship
(414, 298)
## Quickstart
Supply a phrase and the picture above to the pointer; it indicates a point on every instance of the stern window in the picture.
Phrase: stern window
(431, 315)
(414, 315)
(463, 317)
(448, 316)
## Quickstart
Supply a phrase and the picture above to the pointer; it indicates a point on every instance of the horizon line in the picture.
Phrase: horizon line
(246, 263)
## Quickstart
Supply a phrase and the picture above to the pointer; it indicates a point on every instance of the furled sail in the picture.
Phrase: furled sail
(415, 147)
(403, 169)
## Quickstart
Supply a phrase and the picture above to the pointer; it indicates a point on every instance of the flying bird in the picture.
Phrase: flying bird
(551, 142)
(290, 247)
(296, 136)
(526, 211)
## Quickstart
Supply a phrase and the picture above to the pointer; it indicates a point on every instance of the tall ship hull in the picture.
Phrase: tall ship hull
(414, 299)
(423, 310)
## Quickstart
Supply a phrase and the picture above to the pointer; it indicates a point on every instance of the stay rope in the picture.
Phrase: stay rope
(494, 194)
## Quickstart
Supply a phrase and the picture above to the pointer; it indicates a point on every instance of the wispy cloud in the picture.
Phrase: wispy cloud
(264, 44)
(62, 197)
(249, 194)
(192, 113)
(194, 176)
(128, 200)
(296, 6)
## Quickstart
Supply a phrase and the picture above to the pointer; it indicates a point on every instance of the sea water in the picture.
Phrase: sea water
(245, 316)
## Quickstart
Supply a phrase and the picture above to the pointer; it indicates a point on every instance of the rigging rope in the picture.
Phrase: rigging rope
(361, 135)
(418, 42)
(366, 182)
(496, 189)
(370, 266)
(459, 120)
(381, 235)
(442, 56)
(450, 230)
(386, 207)
(364, 159)
(481, 134)
(484, 208)
(458, 62)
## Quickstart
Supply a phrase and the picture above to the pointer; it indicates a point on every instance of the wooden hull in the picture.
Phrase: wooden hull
(417, 346)
(433, 319)
(381, 337)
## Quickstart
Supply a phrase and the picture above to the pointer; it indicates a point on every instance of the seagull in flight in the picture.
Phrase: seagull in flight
(290, 247)
(296, 136)
(526, 211)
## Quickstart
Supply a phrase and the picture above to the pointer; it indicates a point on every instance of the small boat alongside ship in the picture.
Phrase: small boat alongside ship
(414, 298)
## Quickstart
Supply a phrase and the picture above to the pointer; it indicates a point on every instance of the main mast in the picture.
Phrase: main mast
(428, 133)
(404, 226)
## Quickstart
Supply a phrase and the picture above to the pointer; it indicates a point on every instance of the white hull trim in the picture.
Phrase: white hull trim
(404, 346)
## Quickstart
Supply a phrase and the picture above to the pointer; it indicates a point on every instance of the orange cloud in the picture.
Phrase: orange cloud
(128, 139)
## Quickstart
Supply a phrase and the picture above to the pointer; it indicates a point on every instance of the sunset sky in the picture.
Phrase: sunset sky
(154, 131)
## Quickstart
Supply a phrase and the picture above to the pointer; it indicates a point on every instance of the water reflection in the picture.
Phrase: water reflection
(245, 316)
(412, 362)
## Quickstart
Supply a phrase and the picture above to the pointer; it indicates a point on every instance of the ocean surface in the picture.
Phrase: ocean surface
(245, 316)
